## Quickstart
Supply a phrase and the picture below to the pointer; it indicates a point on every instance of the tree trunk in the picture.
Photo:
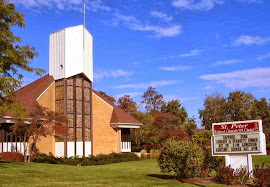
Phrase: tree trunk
(25, 148)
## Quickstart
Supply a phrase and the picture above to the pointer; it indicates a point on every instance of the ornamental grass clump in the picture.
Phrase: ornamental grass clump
(154, 153)
(182, 158)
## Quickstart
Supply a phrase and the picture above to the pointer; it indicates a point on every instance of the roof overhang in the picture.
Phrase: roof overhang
(9, 119)
(6, 119)
(126, 125)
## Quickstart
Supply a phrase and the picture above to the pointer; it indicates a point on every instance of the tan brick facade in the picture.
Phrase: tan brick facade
(47, 144)
(104, 136)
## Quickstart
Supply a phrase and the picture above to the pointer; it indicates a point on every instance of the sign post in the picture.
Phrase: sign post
(238, 141)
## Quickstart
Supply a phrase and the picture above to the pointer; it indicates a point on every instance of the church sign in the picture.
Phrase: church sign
(237, 137)
(238, 141)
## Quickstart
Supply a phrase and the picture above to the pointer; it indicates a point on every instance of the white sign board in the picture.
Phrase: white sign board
(237, 141)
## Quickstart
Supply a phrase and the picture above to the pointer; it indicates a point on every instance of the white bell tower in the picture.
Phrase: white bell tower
(71, 53)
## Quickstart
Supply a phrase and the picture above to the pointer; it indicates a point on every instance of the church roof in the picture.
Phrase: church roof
(29, 94)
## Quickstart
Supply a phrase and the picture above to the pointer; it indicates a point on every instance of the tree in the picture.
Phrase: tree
(190, 126)
(166, 126)
(214, 110)
(261, 110)
(239, 104)
(40, 122)
(110, 98)
(152, 99)
(175, 107)
(13, 56)
(127, 104)
(138, 135)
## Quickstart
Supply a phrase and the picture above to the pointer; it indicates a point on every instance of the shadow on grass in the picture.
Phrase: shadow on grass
(172, 178)
(163, 176)
(7, 164)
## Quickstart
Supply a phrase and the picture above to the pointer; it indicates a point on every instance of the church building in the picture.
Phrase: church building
(96, 125)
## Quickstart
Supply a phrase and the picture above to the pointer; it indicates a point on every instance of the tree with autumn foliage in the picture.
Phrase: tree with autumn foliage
(110, 98)
(176, 108)
(40, 122)
(152, 100)
(14, 57)
(166, 126)
(127, 104)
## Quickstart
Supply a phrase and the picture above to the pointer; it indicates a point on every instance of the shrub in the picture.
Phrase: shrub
(182, 158)
(136, 149)
(43, 158)
(226, 175)
(261, 175)
(203, 139)
(11, 156)
(100, 159)
(229, 176)
(242, 175)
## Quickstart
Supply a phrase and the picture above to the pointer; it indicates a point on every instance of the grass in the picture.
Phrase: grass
(136, 173)
(261, 159)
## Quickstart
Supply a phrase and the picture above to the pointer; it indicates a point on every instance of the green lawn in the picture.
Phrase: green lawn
(136, 173)
(261, 159)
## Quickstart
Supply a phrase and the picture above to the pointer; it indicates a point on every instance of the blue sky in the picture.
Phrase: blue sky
(186, 49)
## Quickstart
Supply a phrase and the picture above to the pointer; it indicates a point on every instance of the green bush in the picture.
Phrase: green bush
(261, 175)
(100, 159)
(182, 158)
(210, 163)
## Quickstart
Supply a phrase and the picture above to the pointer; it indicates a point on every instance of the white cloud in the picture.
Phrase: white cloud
(132, 94)
(176, 68)
(209, 87)
(111, 73)
(194, 52)
(182, 99)
(146, 85)
(251, 1)
(251, 40)
(267, 55)
(202, 5)
(228, 62)
(162, 16)
(62, 5)
(158, 31)
(258, 77)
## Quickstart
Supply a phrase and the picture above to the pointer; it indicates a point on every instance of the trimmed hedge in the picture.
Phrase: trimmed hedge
(11, 156)
(100, 159)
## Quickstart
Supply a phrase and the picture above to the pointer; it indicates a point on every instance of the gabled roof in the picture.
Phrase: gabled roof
(28, 95)
(119, 115)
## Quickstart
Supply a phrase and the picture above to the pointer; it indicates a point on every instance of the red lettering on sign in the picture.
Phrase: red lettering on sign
(236, 128)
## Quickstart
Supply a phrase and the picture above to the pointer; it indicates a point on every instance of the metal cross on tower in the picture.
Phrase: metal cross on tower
(83, 22)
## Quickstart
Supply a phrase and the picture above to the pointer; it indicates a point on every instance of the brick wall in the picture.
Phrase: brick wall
(47, 144)
(104, 136)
